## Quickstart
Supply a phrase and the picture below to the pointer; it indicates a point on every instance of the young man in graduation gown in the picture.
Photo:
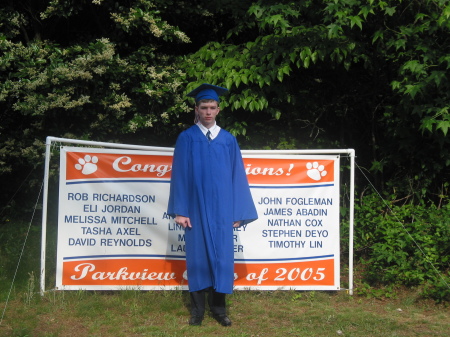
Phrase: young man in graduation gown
(209, 196)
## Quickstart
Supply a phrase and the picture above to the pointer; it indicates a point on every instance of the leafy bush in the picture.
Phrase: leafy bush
(404, 245)
(19, 255)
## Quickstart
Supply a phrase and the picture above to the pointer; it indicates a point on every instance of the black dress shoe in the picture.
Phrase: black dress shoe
(223, 320)
(196, 320)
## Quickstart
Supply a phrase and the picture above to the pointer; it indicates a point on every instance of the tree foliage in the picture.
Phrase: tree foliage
(368, 74)
(406, 245)
(64, 75)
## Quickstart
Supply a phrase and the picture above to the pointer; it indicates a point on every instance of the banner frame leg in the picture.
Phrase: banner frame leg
(44, 214)
(351, 220)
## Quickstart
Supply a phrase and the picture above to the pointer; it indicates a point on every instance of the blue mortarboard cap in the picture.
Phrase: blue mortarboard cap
(207, 91)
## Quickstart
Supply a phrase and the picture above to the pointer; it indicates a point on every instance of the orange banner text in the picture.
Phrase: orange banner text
(159, 272)
(86, 165)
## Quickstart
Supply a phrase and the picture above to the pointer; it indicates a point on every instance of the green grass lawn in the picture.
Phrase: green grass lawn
(254, 313)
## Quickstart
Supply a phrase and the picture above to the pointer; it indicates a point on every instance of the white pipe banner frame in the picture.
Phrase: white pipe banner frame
(114, 233)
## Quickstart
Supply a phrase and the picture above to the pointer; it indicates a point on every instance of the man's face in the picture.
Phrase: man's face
(207, 112)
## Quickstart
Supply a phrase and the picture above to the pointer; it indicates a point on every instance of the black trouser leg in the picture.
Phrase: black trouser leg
(216, 302)
(198, 303)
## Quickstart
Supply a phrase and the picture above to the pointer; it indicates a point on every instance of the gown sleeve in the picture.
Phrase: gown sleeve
(244, 209)
(178, 200)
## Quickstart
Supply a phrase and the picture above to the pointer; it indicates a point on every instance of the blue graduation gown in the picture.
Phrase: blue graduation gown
(209, 186)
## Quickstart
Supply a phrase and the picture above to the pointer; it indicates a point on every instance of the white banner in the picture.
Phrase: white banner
(113, 230)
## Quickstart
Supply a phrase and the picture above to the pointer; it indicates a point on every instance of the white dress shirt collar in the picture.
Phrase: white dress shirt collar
(214, 129)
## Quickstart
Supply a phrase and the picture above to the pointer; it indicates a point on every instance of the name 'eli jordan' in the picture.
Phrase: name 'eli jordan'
(112, 209)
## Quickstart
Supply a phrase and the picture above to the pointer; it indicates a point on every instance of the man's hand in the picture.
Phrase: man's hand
(183, 221)
(236, 224)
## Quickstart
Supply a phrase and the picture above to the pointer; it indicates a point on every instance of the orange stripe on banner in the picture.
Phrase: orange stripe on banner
(158, 272)
(288, 171)
(86, 165)
(124, 272)
(308, 273)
